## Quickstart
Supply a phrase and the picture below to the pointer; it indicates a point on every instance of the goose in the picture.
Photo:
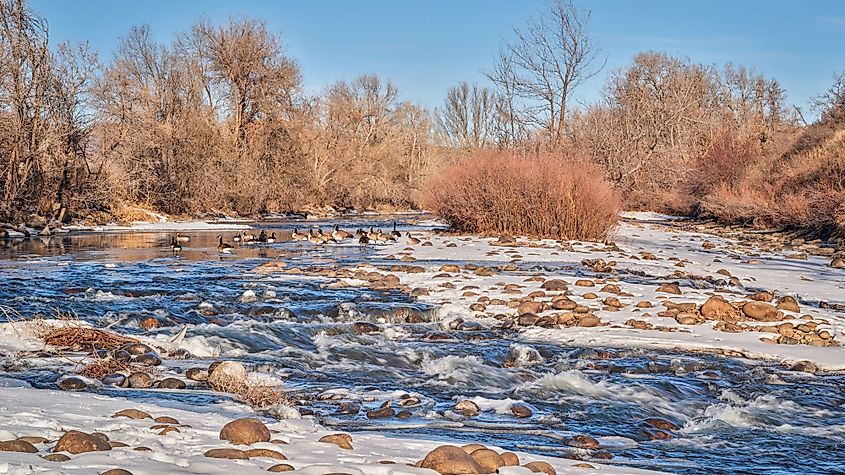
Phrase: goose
(248, 238)
(174, 245)
(363, 239)
(223, 247)
(314, 237)
(412, 241)
(395, 233)
(327, 238)
(272, 237)
(296, 236)
(339, 234)
(182, 238)
(372, 235)
(262, 236)
(238, 237)
(381, 237)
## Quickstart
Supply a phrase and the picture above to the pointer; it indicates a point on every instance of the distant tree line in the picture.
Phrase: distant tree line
(217, 121)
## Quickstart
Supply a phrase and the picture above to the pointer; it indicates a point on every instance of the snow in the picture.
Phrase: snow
(47, 413)
(165, 226)
(809, 280)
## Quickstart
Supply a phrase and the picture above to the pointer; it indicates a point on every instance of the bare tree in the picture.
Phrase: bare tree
(545, 63)
(831, 104)
(467, 118)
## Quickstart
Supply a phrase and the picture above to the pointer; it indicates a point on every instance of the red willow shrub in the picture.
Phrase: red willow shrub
(550, 196)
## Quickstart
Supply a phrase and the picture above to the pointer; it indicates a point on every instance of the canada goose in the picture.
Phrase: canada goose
(174, 245)
(272, 237)
(223, 247)
(381, 237)
(339, 234)
(248, 238)
(238, 237)
(327, 238)
(363, 239)
(412, 241)
(372, 235)
(262, 236)
(297, 236)
(395, 233)
(182, 238)
(314, 238)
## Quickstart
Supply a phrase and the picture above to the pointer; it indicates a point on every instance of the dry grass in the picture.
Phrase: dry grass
(88, 339)
(100, 368)
(253, 393)
(550, 196)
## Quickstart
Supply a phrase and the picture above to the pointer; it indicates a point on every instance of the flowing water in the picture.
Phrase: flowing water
(737, 416)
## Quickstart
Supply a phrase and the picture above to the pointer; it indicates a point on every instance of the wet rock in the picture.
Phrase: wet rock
(17, 446)
(805, 366)
(282, 467)
(365, 327)
(72, 384)
(348, 408)
(148, 359)
(521, 410)
(266, 453)
(467, 408)
(149, 323)
(662, 424)
(245, 431)
(197, 374)
(541, 467)
(489, 460)
(136, 349)
(583, 442)
(451, 460)
(384, 411)
(761, 311)
(77, 442)
(171, 383)
(344, 441)
(133, 414)
(115, 379)
(140, 380)
(231, 454)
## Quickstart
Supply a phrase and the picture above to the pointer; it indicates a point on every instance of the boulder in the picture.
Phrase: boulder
(232, 454)
(761, 311)
(77, 442)
(282, 467)
(226, 374)
(17, 446)
(489, 460)
(510, 459)
(670, 288)
(541, 467)
(789, 304)
(72, 384)
(717, 308)
(554, 285)
(266, 453)
(467, 408)
(344, 441)
(451, 460)
(521, 410)
(245, 431)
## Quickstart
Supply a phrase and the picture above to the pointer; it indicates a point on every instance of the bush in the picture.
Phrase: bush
(549, 196)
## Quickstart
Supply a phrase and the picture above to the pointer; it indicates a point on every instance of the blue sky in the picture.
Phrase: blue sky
(425, 47)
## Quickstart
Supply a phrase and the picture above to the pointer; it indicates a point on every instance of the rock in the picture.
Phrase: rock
(140, 380)
(584, 283)
(489, 460)
(589, 320)
(115, 379)
(451, 460)
(805, 366)
(761, 311)
(467, 408)
(17, 446)
(116, 471)
(540, 467)
(662, 424)
(521, 411)
(136, 349)
(670, 288)
(717, 308)
(837, 263)
(344, 441)
(166, 420)
(282, 467)
(365, 327)
(55, 457)
(133, 414)
(245, 431)
(583, 442)
(381, 413)
(148, 359)
(72, 384)
(225, 375)
(171, 383)
(554, 285)
(266, 453)
(197, 374)
(470, 448)
(232, 454)
(77, 442)
(149, 323)
(510, 459)
(789, 304)
(762, 296)
(530, 307)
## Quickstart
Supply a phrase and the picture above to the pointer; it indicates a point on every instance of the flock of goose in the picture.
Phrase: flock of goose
(314, 235)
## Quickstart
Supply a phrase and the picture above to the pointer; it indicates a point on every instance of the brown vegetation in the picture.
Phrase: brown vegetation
(84, 338)
(557, 196)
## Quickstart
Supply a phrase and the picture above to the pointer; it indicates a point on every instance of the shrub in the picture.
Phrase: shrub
(551, 196)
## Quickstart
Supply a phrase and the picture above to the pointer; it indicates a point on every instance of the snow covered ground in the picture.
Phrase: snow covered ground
(650, 251)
